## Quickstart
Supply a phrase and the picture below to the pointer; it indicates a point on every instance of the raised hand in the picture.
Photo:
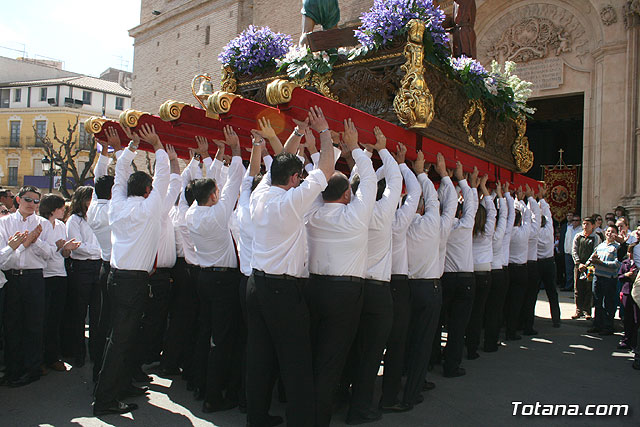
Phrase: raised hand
(203, 146)
(505, 187)
(441, 166)
(104, 146)
(473, 178)
(171, 152)
(458, 173)
(520, 193)
(302, 125)
(542, 191)
(148, 134)
(32, 236)
(113, 139)
(401, 153)
(528, 192)
(133, 137)
(71, 245)
(232, 139)
(310, 140)
(60, 243)
(381, 140)
(317, 120)
(483, 184)
(418, 163)
(499, 189)
(350, 136)
(266, 130)
(256, 137)
(16, 240)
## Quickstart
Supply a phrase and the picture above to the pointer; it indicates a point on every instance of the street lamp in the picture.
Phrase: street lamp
(48, 170)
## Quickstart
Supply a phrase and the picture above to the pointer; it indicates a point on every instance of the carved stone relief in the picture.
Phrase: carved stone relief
(631, 12)
(608, 15)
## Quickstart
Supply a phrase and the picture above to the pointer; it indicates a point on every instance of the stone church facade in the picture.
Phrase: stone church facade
(566, 47)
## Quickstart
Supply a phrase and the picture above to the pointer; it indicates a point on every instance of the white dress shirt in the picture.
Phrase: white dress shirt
(379, 242)
(38, 253)
(167, 247)
(569, 236)
(184, 244)
(459, 257)
(55, 264)
(498, 235)
(338, 232)
(242, 226)
(209, 225)
(519, 244)
(511, 216)
(78, 228)
(483, 242)
(546, 238)
(278, 215)
(403, 219)
(135, 223)
(5, 254)
(98, 212)
(532, 254)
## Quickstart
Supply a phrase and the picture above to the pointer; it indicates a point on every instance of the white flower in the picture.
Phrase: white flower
(325, 56)
(343, 51)
(316, 55)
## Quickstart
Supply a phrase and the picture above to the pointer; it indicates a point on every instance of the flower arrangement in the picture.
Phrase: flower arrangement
(300, 61)
(388, 19)
(520, 89)
(255, 50)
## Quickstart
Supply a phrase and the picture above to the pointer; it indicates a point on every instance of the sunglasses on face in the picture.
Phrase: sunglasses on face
(30, 200)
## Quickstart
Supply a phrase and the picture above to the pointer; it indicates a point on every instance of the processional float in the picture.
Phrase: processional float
(408, 98)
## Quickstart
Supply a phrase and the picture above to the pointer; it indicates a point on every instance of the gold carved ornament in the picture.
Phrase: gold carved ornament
(220, 102)
(319, 81)
(129, 118)
(520, 148)
(280, 91)
(475, 105)
(171, 110)
(413, 102)
(228, 81)
(94, 124)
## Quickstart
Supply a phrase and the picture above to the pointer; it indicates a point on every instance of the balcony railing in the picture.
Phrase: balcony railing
(23, 141)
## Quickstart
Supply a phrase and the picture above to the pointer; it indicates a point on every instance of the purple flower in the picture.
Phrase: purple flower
(388, 18)
(255, 49)
(468, 68)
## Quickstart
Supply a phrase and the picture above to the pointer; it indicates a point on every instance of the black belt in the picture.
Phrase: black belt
(218, 269)
(532, 261)
(163, 269)
(482, 273)
(547, 259)
(433, 281)
(24, 271)
(464, 274)
(512, 264)
(337, 278)
(399, 277)
(106, 263)
(260, 273)
(376, 282)
(132, 272)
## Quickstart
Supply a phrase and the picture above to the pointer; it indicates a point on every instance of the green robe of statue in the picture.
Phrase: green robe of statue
(323, 12)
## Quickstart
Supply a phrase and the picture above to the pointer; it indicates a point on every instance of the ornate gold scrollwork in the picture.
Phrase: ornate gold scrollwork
(228, 81)
(94, 124)
(129, 118)
(279, 91)
(520, 148)
(220, 102)
(475, 105)
(322, 83)
(171, 110)
(413, 103)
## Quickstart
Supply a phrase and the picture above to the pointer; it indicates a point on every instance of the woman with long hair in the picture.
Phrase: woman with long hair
(85, 264)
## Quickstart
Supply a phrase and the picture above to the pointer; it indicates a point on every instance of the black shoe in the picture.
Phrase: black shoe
(140, 377)
(133, 391)
(396, 407)
(593, 330)
(513, 337)
(530, 332)
(624, 346)
(457, 372)
(221, 405)
(117, 408)
(636, 365)
(473, 355)
(428, 385)
(24, 380)
(198, 393)
(363, 417)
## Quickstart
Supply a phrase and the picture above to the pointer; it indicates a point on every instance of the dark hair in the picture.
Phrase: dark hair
(621, 208)
(78, 200)
(610, 214)
(615, 227)
(336, 186)
(28, 189)
(382, 185)
(595, 216)
(203, 188)
(481, 221)
(138, 183)
(256, 181)
(4, 192)
(103, 186)
(517, 220)
(48, 204)
(284, 166)
(589, 219)
(188, 192)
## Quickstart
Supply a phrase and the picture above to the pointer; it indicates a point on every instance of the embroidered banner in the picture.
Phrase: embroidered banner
(562, 184)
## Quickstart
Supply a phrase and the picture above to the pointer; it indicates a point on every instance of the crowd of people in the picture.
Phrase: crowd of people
(296, 274)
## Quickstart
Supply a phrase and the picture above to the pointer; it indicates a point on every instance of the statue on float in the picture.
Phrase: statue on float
(314, 12)
(461, 24)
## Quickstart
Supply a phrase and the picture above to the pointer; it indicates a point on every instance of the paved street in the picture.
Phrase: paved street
(560, 366)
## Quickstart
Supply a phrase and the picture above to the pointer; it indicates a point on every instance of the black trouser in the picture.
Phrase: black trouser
(24, 322)
(219, 317)
(85, 294)
(335, 304)
(426, 301)
(242, 341)
(104, 321)
(128, 290)
(56, 293)
(547, 273)
(67, 340)
(515, 296)
(376, 318)
(494, 308)
(457, 300)
(154, 318)
(528, 314)
(394, 356)
(474, 327)
(183, 318)
(278, 320)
